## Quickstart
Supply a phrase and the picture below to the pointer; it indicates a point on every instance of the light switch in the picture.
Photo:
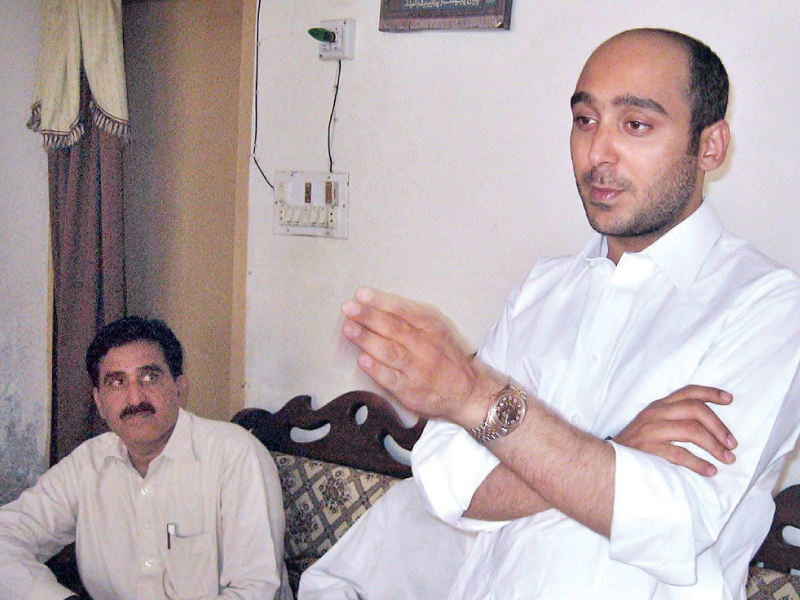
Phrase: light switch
(311, 204)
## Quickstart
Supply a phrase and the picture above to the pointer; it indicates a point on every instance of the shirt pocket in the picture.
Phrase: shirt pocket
(191, 568)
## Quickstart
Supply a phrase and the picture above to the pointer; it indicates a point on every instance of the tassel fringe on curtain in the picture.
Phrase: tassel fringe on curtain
(79, 35)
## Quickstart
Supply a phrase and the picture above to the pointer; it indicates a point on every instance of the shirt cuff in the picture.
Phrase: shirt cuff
(448, 466)
(651, 525)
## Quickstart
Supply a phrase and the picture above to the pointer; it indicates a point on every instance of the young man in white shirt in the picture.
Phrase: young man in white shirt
(662, 303)
(166, 505)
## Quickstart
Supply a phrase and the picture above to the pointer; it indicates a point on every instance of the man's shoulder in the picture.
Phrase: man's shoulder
(754, 269)
(221, 434)
(551, 267)
(97, 448)
(86, 460)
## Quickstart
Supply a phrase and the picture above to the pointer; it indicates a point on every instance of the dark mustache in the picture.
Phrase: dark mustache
(135, 409)
(596, 177)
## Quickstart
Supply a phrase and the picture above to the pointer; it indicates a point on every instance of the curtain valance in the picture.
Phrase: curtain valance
(75, 32)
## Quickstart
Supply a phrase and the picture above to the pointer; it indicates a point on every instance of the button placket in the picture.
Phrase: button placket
(148, 536)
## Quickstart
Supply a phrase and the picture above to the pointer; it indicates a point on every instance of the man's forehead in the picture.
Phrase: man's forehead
(636, 65)
(132, 356)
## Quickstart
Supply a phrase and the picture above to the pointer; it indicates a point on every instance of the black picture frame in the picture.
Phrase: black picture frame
(415, 15)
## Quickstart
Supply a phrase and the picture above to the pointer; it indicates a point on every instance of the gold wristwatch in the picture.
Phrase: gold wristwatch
(505, 413)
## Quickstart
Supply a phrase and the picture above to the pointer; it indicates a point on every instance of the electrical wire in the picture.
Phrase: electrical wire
(255, 118)
(255, 124)
(333, 109)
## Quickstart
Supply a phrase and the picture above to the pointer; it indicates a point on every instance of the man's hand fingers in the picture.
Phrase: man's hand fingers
(693, 410)
(386, 377)
(410, 349)
(683, 416)
(696, 433)
(386, 324)
(417, 314)
(385, 351)
(383, 360)
(703, 393)
(682, 457)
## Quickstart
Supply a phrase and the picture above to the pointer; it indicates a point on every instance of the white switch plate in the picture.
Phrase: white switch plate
(344, 47)
(311, 204)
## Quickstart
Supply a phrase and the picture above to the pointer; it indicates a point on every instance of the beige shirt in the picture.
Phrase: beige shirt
(215, 489)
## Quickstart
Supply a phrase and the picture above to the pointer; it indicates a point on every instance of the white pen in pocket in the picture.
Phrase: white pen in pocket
(170, 533)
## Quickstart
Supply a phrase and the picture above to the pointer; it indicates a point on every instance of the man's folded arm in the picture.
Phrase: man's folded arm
(683, 416)
(660, 516)
(757, 359)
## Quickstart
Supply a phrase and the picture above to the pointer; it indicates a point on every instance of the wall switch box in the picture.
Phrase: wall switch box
(311, 204)
(344, 46)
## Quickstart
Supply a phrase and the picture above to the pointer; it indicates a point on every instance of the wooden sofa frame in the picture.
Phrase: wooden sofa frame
(348, 443)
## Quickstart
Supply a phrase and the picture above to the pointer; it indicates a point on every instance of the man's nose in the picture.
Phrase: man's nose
(135, 392)
(602, 149)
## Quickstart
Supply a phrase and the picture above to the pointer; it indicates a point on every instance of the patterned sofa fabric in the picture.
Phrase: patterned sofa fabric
(764, 584)
(322, 500)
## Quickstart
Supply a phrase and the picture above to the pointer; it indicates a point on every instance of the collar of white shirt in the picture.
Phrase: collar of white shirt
(178, 448)
(680, 253)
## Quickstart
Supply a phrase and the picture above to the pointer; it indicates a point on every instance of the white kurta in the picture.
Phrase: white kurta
(396, 551)
(598, 342)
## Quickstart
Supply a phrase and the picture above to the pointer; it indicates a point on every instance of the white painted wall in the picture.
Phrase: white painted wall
(457, 148)
(24, 250)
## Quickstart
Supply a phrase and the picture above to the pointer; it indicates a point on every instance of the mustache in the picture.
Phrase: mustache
(135, 409)
(603, 178)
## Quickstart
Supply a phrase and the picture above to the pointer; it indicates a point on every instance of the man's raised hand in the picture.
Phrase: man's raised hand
(414, 352)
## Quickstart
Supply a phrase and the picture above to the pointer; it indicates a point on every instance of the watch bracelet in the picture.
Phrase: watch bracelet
(484, 432)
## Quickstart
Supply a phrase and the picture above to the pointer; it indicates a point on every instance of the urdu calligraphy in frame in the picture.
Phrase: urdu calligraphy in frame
(412, 15)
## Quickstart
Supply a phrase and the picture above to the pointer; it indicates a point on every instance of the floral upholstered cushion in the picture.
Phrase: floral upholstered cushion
(321, 500)
(764, 584)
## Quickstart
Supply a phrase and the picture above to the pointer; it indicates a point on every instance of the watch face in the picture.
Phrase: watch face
(508, 411)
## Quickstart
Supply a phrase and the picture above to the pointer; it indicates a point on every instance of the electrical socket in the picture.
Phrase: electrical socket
(344, 46)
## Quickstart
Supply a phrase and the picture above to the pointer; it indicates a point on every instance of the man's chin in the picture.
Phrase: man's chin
(602, 221)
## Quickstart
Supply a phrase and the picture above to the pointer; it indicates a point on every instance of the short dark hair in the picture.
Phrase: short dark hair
(708, 84)
(134, 329)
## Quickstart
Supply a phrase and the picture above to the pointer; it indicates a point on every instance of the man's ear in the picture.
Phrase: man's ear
(183, 389)
(714, 142)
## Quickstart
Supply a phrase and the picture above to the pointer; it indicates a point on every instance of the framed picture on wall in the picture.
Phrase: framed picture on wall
(413, 15)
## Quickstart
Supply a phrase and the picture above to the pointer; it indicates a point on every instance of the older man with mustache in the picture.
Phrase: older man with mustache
(166, 505)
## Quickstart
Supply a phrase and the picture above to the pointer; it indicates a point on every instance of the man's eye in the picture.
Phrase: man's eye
(638, 126)
(150, 377)
(582, 121)
(115, 382)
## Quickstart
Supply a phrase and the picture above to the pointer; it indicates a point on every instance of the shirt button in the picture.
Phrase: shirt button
(145, 491)
(593, 359)
(575, 420)
(148, 563)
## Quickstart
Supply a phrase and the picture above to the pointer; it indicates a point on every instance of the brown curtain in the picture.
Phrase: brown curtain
(88, 269)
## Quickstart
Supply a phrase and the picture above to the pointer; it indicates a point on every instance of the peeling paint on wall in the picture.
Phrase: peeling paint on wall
(20, 459)
(22, 428)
